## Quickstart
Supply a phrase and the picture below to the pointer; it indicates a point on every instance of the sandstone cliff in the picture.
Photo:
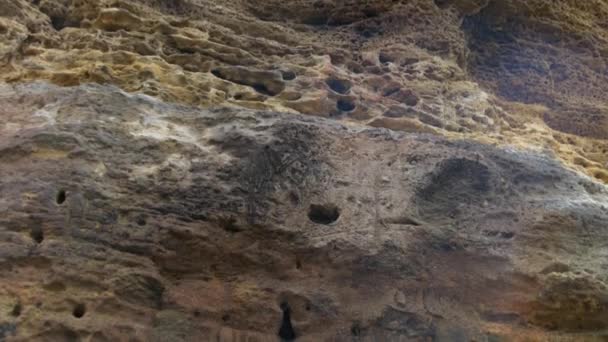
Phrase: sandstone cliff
(240, 170)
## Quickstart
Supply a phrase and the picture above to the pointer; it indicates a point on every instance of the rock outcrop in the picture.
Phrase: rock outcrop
(341, 170)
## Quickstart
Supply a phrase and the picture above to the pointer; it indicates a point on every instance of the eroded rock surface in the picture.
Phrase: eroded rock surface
(244, 170)
(405, 65)
(125, 216)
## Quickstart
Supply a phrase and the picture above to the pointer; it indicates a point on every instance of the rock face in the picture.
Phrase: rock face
(273, 170)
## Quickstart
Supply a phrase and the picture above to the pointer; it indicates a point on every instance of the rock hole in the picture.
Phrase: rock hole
(217, 73)
(441, 3)
(79, 310)
(355, 329)
(141, 221)
(262, 89)
(298, 264)
(197, 313)
(16, 312)
(288, 75)
(371, 12)
(345, 105)
(286, 332)
(61, 197)
(225, 318)
(323, 214)
(409, 98)
(316, 20)
(37, 234)
(507, 235)
(384, 58)
(58, 23)
(337, 85)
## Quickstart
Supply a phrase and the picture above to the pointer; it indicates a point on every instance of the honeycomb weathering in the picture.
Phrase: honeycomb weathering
(406, 170)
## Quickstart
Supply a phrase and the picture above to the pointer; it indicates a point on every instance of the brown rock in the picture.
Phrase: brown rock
(446, 181)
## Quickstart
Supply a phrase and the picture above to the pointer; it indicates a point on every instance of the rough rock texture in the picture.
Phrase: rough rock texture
(194, 170)
(405, 65)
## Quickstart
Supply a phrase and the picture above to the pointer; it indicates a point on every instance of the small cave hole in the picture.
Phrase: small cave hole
(441, 3)
(286, 331)
(262, 89)
(225, 317)
(196, 313)
(323, 214)
(141, 221)
(371, 12)
(61, 197)
(507, 235)
(217, 73)
(79, 310)
(16, 312)
(288, 75)
(355, 329)
(345, 105)
(37, 234)
(58, 23)
(384, 58)
(316, 20)
(298, 264)
(337, 85)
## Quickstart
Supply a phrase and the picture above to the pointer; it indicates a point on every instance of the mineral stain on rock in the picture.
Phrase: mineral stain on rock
(390, 170)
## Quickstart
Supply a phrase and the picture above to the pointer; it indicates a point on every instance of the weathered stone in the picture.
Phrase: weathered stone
(341, 170)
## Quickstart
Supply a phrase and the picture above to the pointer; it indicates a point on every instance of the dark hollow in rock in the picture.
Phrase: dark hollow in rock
(323, 214)
(16, 312)
(441, 3)
(79, 310)
(384, 58)
(217, 73)
(37, 234)
(262, 89)
(286, 331)
(355, 329)
(338, 85)
(409, 98)
(61, 197)
(288, 75)
(141, 221)
(345, 105)
(58, 23)
(316, 20)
